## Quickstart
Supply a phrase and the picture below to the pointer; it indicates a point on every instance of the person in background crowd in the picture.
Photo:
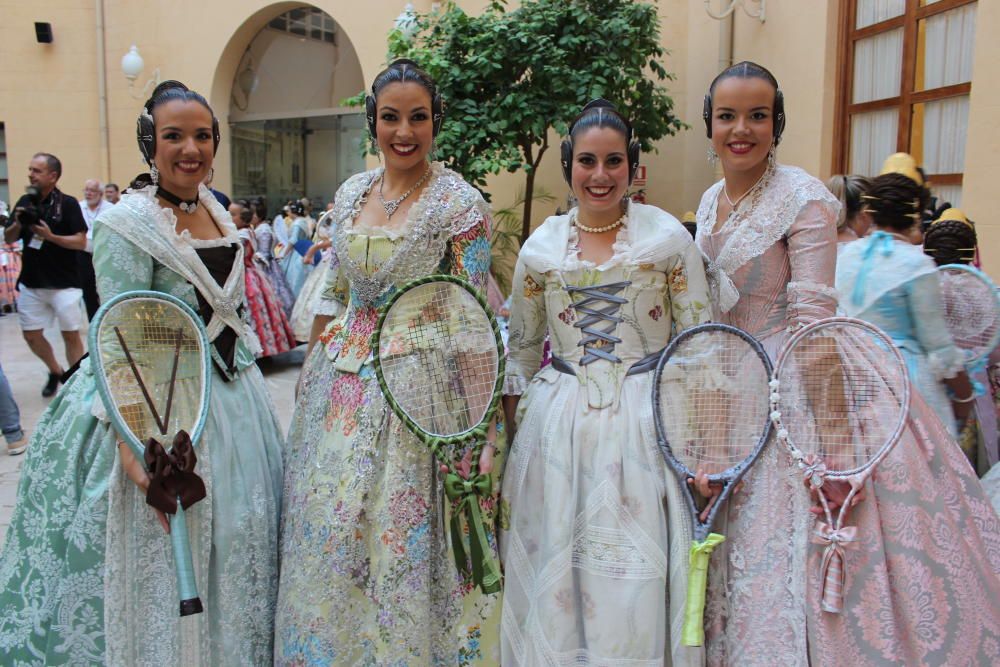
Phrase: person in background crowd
(93, 205)
(853, 221)
(951, 239)
(52, 228)
(10, 419)
(219, 196)
(280, 224)
(10, 266)
(265, 252)
(299, 233)
(112, 193)
(690, 222)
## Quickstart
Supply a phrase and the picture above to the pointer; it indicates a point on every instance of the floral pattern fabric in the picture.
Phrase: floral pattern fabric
(928, 559)
(266, 316)
(367, 576)
(595, 531)
(85, 558)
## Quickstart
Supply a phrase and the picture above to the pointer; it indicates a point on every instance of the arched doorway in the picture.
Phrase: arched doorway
(290, 136)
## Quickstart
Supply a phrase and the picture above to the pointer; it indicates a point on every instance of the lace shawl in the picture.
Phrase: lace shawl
(447, 207)
(141, 220)
(789, 191)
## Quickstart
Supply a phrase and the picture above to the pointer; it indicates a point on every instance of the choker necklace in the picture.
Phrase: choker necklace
(597, 230)
(188, 206)
(393, 204)
(743, 196)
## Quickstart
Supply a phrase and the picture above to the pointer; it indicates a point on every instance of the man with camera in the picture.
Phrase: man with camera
(53, 230)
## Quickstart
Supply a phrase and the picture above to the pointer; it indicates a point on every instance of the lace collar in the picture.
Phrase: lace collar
(139, 218)
(650, 235)
(750, 235)
(448, 206)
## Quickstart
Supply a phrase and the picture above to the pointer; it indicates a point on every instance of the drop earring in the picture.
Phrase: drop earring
(154, 174)
(713, 157)
(770, 156)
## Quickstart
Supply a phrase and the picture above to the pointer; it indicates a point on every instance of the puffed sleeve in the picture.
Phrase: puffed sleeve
(812, 253)
(332, 298)
(527, 329)
(924, 297)
(471, 251)
(119, 264)
(687, 289)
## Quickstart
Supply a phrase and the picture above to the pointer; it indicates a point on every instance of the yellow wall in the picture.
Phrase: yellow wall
(49, 93)
(979, 189)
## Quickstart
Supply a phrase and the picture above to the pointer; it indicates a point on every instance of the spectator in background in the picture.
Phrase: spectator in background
(93, 204)
(853, 221)
(112, 193)
(219, 196)
(53, 230)
(10, 419)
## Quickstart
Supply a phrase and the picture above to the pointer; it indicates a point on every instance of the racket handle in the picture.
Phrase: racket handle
(186, 586)
(833, 584)
(693, 632)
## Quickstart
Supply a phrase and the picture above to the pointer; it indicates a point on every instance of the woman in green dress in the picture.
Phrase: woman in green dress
(367, 574)
(87, 570)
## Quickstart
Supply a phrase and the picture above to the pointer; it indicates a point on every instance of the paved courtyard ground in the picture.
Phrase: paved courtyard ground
(27, 374)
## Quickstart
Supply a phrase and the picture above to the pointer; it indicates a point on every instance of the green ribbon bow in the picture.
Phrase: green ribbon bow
(693, 632)
(465, 493)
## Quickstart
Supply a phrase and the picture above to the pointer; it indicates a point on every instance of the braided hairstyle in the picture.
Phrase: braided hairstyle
(849, 190)
(894, 201)
(951, 242)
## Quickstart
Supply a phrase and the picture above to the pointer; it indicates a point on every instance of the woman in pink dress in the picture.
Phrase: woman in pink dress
(266, 315)
(922, 579)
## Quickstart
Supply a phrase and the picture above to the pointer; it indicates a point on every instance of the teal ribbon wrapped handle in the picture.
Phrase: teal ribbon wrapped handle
(693, 632)
(465, 494)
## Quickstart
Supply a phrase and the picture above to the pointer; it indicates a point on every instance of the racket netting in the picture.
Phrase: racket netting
(439, 358)
(971, 310)
(713, 401)
(153, 362)
(844, 395)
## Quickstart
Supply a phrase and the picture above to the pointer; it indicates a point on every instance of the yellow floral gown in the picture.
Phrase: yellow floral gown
(367, 574)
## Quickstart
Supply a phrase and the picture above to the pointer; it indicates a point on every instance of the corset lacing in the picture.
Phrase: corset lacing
(598, 342)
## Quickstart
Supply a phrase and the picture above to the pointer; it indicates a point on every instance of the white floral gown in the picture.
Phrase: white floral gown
(367, 575)
(595, 544)
(87, 572)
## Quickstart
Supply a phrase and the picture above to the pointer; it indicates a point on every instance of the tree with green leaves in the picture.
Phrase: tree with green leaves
(508, 77)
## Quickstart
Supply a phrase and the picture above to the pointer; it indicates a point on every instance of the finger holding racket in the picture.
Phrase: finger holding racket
(840, 399)
(711, 410)
(151, 360)
(439, 361)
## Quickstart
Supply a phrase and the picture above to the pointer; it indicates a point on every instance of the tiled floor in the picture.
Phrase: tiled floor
(27, 374)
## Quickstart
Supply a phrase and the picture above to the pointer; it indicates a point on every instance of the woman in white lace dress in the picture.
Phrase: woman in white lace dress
(368, 577)
(87, 571)
(920, 577)
(595, 548)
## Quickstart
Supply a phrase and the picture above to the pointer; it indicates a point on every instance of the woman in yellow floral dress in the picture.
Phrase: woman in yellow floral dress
(367, 573)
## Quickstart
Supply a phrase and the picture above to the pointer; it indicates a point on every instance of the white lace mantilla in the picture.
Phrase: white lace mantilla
(447, 207)
(139, 218)
(787, 193)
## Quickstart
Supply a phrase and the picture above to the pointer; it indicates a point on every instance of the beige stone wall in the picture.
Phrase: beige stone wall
(49, 95)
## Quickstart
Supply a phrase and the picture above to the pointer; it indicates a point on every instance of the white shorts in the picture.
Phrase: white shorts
(39, 305)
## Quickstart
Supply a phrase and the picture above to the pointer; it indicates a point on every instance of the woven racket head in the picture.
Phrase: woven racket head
(971, 309)
(711, 401)
(152, 361)
(439, 359)
(844, 394)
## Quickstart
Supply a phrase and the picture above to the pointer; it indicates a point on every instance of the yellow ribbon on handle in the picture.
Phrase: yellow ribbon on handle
(693, 632)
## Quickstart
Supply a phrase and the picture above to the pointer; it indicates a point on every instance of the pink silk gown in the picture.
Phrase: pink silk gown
(922, 581)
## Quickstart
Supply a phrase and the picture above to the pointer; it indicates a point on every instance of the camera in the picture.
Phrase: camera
(29, 213)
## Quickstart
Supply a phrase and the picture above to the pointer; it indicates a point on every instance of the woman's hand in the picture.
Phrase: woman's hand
(836, 492)
(705, 489)
(137, 473)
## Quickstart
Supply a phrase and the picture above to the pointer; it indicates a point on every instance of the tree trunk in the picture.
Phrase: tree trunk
(529, 184)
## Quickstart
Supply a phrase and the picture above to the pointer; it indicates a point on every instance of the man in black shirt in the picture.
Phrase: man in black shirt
(53, 230)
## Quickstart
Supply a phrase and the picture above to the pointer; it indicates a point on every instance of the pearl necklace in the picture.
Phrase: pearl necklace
(393, 204)
(597, 230)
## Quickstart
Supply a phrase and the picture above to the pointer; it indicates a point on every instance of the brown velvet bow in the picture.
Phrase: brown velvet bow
(172, 474)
